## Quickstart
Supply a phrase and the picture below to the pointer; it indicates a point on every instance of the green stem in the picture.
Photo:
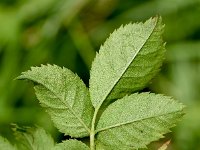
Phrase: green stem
(92, 131)
(92, 143)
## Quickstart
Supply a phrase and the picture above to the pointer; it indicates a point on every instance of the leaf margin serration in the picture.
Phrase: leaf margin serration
(178, 112)
(39, 84)
(96, 80)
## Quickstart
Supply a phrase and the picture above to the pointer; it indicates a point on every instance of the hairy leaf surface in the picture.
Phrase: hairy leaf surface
(33, 139)
(65, 98)
(127, 61)
(136, 120)
(5, 144)
(71, 145)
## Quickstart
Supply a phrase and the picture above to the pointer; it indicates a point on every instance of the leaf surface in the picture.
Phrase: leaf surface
(5, 144)
(33, 138)
(65, 98)
(127, 61)
(71, 145)
(136, 120)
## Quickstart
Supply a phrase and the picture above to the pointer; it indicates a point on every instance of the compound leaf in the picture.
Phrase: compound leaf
(136, 120)
(5, 144)
(65, 97)
(33, 138)
(127, 61)
(71, 145)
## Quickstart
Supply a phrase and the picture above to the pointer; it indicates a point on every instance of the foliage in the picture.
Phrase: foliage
(107, 112)
(65, 98)
(37, 139)
(68, 33)
(4, 143)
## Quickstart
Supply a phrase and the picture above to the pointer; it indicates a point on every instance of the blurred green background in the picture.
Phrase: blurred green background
(68, 32)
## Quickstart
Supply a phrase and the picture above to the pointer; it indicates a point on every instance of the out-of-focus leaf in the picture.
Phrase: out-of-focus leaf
(71, 145)
(5, 144)
(33, 138)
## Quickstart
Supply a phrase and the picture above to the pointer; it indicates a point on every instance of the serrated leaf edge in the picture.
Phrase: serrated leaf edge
(155, 19)
(121, 124)
(61, 99)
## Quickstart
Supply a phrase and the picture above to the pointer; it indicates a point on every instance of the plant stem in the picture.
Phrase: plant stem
(92, 143)
(92, 131)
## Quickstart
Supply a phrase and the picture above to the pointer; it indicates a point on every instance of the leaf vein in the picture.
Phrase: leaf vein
(129, 122)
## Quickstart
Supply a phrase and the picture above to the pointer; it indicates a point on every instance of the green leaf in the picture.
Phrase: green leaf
(33, 138)
(65, 98)
(136, 120)
(5, 144)
(71, 145)
(127, 61)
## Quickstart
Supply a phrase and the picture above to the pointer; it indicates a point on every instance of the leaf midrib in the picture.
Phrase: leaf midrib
(65, 103)
(128, 64)
(134, 121)
(80, 120)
